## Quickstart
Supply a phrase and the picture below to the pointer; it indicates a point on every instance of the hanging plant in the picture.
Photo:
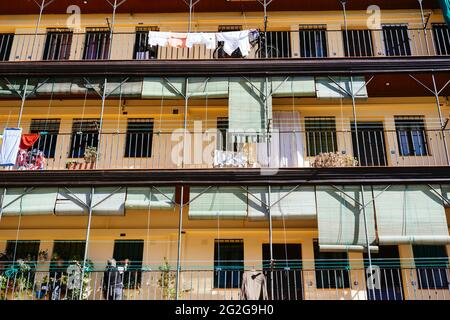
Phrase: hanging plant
(90, 154)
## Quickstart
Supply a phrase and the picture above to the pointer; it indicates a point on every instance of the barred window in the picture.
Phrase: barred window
(85, 133)
(320, 135)
(6, 41)
(142, 51)
(313, 41)
(358, 43)
(411, 135)
(97, 44)
(228, 263)
(48, 130)
(441, 38)
(58, 44)
(139, 138)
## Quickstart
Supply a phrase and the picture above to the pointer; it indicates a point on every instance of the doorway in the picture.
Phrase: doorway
(371, 142)
(285, 280)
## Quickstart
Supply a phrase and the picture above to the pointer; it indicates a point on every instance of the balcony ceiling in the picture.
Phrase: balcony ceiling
(154, 6)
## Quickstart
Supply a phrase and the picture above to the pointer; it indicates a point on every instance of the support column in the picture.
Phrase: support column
(441, 121)
(86, 248)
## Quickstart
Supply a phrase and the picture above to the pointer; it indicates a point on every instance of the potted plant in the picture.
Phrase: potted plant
(332, 160)
(167, 282)
(90, 156)
(72, 164)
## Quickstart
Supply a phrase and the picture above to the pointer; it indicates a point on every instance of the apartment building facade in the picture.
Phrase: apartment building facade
(318, 159)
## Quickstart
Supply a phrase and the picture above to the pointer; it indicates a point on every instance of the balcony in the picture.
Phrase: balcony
(309, 42)
(429, 283)
(217, 150)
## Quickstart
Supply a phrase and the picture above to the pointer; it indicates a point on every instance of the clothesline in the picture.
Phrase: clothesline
(232, 40)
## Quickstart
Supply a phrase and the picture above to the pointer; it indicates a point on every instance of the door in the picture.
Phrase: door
(390, 276)
(285, 281)
(371, 142)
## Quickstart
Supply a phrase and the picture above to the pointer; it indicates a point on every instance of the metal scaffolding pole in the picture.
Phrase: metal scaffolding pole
(41, 6)
(344, 10)
(424, 25)
(86, 248)
(441, 120)
(180, 219)
(24, 97)
(114, 5)
(191, 4)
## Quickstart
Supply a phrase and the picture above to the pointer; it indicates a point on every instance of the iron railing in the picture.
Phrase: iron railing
(390, 41)
(428, 283)
(293, 149)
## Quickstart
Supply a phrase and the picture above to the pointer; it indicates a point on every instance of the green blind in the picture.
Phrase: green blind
(246, 107)
(223, 202)
(208, 87)
(341, 222)
(287, 202)
(109, 201)
(410, 214)
(38, 201)
(72, 201)
(293, 87)
(156, 88)
(148, 197)
(326, 88)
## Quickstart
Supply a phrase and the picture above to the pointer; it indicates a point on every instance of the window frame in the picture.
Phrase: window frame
(330, 135)
(141, 43)
(133, 275)
(54, 46)
(321, 49)
(133, 135)
(335, 280)
(408, 147)
(228, 274)
(441, 41)
(102, 50)
(48, 145)
(5, 48)
(354, 49)
(426, 276)
(82, 143)
(394, 49)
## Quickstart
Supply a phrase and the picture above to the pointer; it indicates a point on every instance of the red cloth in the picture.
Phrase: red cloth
(28, 140)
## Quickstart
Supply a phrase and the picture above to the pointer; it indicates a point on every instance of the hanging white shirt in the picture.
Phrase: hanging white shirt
(207, 39)
(234, 40)
(10, 146)
(156, 38)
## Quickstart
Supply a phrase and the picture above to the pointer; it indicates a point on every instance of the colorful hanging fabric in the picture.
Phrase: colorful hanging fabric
(28, 140)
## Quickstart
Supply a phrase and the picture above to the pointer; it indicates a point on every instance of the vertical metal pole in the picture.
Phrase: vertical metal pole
(270, 241)
(344, 2)
(191, 6)
(355, 118)
(366, 229)
(111, 34)
(24, 97)
(41, 10)
(424, 26)
(180, 219)
(86, 248)
(265, 28)
(441, 121)
(102, 112)
(1, 204)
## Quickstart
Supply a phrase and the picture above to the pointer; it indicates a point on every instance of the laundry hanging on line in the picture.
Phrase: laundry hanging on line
(28, 140)
(10, 146)
(232, 40)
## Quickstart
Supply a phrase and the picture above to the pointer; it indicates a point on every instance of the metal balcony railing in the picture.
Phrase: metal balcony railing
(307, 42)
(428, 283)
(207, 150)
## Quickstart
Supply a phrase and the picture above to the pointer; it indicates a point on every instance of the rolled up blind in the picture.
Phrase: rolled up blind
(208, 87)
(37, 201)
(329, 89)
(217, 202)
(109, 201)
(287, 202)
(341, 220)
(156, 88)
(149, 197)
(73, 201)
(410, 214)
(293, 87)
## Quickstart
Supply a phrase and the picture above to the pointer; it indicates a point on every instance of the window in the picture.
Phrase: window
(84, 134)
(331, 268)
(396, 40)
(228, 263)
(279, 42)
(49, 129)
(6, 41)
(358, 43)
(320, 135)
(142, 51)
(432, 266)
(97, 44)
(27, 250)
(67, 250)
(411, 136)
(133, 250)
(220, 52)
(313, 41)
(139, 138)
(222, 129)
(58, 44)
(441, 38)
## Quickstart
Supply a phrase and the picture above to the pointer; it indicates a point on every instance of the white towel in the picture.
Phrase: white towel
(234, 40)
(10, 146)
(158, 38)
(208, 39)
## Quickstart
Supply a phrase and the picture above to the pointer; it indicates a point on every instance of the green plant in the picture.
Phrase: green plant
(71, 163)
(90, 154)
(167, 282)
